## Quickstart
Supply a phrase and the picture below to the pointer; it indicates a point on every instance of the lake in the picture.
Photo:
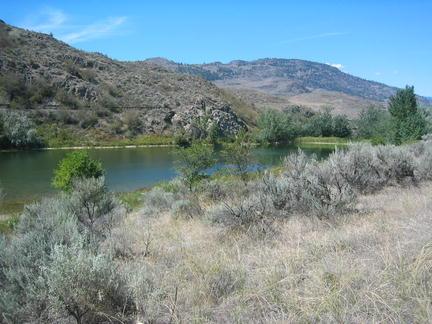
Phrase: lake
(26, 175)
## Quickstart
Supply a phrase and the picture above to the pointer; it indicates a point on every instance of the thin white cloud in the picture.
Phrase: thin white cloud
(336, 65)
(49, 19)
(55, 21)
(322, 35)
(378, 73)
(97, 30)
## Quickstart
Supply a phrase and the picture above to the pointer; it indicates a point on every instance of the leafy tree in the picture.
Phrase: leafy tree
(320, 125)
(276, 127)
(193, 161)
(341, 126)
(373, 122)
(409, 124)
(76, 165)
(239, 155)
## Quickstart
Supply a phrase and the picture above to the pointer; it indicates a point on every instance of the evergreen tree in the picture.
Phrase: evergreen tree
(408, 122)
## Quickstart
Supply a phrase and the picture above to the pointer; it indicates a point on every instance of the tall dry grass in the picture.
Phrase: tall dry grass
(374, 265)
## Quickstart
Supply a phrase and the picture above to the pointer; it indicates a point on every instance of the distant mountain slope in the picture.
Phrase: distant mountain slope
(297, 81)
(160, 99)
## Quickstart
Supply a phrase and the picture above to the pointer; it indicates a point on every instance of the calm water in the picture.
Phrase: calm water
(27, 175)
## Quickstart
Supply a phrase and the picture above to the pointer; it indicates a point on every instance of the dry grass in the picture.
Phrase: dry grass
(372, 266)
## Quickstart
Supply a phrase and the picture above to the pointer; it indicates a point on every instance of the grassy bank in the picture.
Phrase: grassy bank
(311, 140)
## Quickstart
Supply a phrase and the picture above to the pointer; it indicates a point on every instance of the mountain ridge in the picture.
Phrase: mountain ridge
(293, 80)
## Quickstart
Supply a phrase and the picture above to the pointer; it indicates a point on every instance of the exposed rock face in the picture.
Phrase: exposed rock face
(160, 99)
(226, 120)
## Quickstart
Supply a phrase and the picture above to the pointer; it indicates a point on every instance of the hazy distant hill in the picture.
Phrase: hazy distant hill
(292, 81)
(159, 99)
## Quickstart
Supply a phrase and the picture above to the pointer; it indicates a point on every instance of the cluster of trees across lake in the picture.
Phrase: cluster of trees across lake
(402, 122)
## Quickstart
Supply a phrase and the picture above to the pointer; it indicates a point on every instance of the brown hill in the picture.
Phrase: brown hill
(49, 79)
(290, 82)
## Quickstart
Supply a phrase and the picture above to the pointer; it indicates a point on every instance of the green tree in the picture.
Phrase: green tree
(341, 126)
(320, 124)
(74, 166)
(239, 155)
(409, 123)
(373, 122)
(192, 161)
(276, 127)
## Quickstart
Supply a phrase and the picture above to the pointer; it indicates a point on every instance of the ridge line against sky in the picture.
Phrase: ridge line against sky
(385, 41)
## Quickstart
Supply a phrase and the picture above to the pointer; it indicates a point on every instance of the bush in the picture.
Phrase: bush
(239, 155)
(23, 289)
(133, 122)
(368, 168)
(18, 131)
(309, 188)
(246, 213)
(187, 208)
(93, 205)
(75, 165)
(81, 284)
(159, 200)
(53, 268)
(193, 161)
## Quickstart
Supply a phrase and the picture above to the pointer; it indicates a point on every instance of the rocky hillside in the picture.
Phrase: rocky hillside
(53, 79)
(291, 81)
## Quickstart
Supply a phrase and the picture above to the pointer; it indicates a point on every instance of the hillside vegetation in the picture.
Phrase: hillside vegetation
(90, 96)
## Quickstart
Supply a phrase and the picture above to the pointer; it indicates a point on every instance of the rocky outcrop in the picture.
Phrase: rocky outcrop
(162, 100)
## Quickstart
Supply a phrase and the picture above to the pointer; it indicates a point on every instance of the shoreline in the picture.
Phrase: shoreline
(98, 147)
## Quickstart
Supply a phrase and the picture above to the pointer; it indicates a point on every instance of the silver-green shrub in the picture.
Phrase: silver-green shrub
(82, 284)
(53, 260)
(159, 200)
(95, 208)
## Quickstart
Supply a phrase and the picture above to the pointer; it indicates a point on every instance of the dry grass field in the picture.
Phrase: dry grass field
(370, 266)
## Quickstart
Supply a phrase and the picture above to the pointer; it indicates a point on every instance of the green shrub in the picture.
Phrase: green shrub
(239, 155)
(192, 161)
(74, 166)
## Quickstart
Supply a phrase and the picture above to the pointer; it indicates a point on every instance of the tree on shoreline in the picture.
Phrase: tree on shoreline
(74, 166)
(408, 123)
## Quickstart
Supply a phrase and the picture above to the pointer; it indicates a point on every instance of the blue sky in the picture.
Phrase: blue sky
(386, 41)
